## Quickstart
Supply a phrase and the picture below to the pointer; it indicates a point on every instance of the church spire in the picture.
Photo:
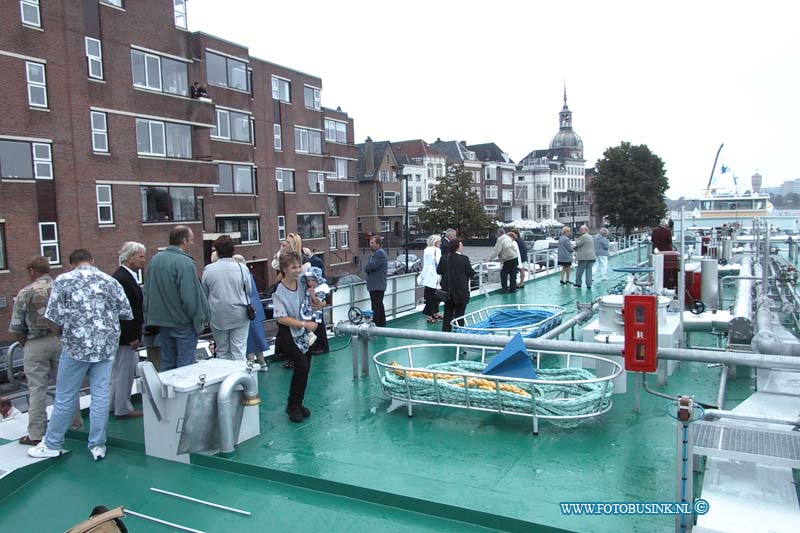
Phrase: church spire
(565, 117)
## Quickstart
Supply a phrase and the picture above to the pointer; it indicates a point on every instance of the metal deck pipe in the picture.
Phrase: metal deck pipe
(721, 413)
(226, 407)
(759, 360)
(586, 314)
(741, 325)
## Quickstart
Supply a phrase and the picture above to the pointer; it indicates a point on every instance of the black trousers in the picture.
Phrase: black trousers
(509, 270)
(320, 346)
(376, 297)
(431, 302)
(451, 311)
(301, 361)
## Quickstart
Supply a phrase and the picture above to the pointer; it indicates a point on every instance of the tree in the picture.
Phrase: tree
(630, 186)
(455, 205)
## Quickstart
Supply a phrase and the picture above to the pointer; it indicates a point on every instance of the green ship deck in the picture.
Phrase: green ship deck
(353, 466)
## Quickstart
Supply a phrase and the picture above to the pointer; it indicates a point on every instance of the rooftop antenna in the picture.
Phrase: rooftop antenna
(711, 177)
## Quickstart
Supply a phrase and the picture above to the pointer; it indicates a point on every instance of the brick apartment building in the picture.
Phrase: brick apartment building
(101, 142)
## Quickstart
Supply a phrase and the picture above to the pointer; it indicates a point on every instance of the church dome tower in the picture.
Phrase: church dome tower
(566, 139)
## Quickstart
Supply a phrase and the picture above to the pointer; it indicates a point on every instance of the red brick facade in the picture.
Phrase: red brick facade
(70, 199)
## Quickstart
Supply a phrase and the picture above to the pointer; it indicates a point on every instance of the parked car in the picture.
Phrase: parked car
(347, 279)
(410, 264)
(395, 268)
(420, 243)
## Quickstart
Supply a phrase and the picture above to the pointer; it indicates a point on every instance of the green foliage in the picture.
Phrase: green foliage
(630, 186)
(455, 205)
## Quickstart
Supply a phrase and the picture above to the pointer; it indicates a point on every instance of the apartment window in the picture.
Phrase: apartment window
(508, 196)
(159, 73)
(48, 242)
(307, 141)
(508, 178)
(390, 199)
(333, 206)
(231, 125)
(490, 209)
(247, 227)
(384, 175)
(29, 12)
(477, 191)
(99, 132)
(180, 13)
(236, 179)
(341, 169)
(344, 239)
(163, 139)
(311, 97)
(277, 142)
(311, 226)
(227, 72)
(335, 131)
(491, 173)
(332, 240)
(281, 228)
(285, 179)
(3, 253)
(42, 161)
(168, 204)
(117, 3)
(491, 192)
(316, 181)
(105, 207)
(37, 84)
(476, 176)
(16, 160)
(281, 89)
(385, 226)
(94, 58)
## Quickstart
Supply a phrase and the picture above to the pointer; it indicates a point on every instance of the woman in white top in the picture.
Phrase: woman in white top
(430, 279)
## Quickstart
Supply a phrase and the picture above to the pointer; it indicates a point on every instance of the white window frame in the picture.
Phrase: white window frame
(98, 132)
(277, 140)
(42, 163)
(281, 228)
(508, 196)
(43, 244)
(332, 240)
(104, 203)
(385, 226)
(393, 195)
(218, 119)
(280, 179)
(179, 13)
(147, 84)
(316, 104)
(93, 60)
(341, 165)
(151, 123)
(276, 89)
(491, 192)
(319, 180)
(303, 137)
(31, 3)
(36, 84)
(344, 239)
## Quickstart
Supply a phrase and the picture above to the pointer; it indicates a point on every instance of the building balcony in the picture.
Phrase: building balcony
(337, 187)
(170, 106)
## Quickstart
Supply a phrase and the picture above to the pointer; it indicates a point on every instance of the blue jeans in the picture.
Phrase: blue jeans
(70, 376)
(178, 346)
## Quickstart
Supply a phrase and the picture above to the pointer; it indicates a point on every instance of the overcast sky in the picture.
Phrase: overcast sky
(681, 77)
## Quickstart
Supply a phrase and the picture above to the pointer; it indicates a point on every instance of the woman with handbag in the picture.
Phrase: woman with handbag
(227, 286)
(456, 271)
(429, 279)
(257, 342)
(293, 331)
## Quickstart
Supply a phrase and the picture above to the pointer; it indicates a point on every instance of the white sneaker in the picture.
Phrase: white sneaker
(41, 451)
(98, 452)
(263, 368)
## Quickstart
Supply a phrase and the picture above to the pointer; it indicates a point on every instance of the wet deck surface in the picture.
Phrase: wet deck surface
(354, 466)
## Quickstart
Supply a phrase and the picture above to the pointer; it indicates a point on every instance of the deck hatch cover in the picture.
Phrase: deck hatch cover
(780, 448)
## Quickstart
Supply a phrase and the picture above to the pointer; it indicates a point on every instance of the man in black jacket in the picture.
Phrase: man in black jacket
(456, 271)
(132, 259)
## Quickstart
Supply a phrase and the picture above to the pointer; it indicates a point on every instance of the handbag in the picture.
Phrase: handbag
(251, 311)
(441, 294)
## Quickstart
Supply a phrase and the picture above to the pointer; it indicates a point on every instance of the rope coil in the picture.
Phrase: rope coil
(540, 321)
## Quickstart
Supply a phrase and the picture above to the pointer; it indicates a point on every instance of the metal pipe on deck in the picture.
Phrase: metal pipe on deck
(733, 415)
(759, 360)
(226, 407)
(741, 325)
(581, 316)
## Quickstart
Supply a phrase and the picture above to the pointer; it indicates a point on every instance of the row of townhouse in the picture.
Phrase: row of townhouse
(551, 183)
(395, 175)
(104, 140)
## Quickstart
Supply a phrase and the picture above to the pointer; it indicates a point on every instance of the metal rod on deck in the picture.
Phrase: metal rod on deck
(203, 502)
(163, 522)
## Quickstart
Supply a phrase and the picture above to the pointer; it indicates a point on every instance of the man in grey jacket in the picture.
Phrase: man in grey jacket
(376, 270)
(601, 251)
(584, 253)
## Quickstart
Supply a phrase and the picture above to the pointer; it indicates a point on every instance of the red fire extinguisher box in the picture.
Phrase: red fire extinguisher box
(640, 315)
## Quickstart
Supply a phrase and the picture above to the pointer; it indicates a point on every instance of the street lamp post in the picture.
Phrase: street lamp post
(405, 177)
(572, 201)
